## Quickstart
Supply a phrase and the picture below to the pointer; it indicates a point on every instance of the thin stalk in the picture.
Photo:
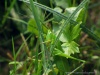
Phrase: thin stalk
(74, 1)
(20, 48)
(76, 69)
(36, 17)
(43, 48)
(14, 72)
(5, 4)
(18, 20)
(36, 61)
(51, 3)
(6, 15)
(26, 45)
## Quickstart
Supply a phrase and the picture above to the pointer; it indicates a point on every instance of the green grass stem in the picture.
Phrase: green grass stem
(43, 47)
(15, 67)
(6, 15)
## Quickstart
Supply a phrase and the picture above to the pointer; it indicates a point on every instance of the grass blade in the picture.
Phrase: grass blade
(6, 15)
(43, 47)
(76, 69)
(15, 67)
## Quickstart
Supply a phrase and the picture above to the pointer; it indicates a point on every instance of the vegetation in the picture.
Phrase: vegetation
(49, 37)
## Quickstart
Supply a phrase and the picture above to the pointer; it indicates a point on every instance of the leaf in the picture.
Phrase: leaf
(60, 53)
(32, 27)
(75, 31)
(57, 18)
(82, 15)
(69, 10)
(54, 70)
(66, 35)
(70, 48)
(79, 15)
(13, 62)
(62, 64)
(58, 9)
(50, 71)
(63, 3)
(50, 37)
(70, 33)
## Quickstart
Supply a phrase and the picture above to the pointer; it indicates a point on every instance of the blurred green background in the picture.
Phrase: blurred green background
(14, 16)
